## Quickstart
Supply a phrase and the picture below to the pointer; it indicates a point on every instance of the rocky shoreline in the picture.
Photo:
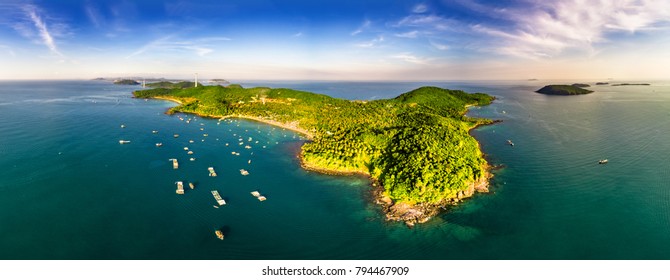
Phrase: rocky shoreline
(423, 212)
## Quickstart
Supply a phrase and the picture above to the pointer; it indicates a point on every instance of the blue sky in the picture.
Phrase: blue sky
(336, 40)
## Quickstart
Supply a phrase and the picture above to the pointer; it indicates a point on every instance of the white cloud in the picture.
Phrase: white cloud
(438, 46)
(409, 57)
(427, 22)
(420, 8)
(363, 27)
(548, 29)
(200, 47)
(372, 43)
(94, 16)
(299, 34)
(42, 29)
(410, 34)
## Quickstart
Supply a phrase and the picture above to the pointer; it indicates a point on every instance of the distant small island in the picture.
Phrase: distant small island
(580, 85)
(416, 147)
(563, 90)
(627, 84)
(172, 85)
(126, 82)
(602, 83)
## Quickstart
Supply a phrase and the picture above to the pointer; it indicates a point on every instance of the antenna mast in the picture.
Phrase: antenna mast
(196, 79)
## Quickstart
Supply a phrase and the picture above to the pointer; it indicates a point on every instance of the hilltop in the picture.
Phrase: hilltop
(416, 147)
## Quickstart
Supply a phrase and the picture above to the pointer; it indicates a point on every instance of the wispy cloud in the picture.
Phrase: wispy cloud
(372, 43)
(47, 39)
(420, 8)
(427, 22)
(94, 15)
(299, 34)
(410, 34)
(411, 58)
(548, 29)
(366, 24)
(439, 46)
(200, 47)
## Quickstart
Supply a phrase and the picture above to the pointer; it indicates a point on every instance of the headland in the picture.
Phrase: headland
(415, 148)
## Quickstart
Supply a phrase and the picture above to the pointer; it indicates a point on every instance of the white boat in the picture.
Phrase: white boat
(262, 198)
(180, 187)
(244, 172)
(192, 159)
(255, 193)
(159, 144)
(124, 141)
(603, 161)
(154, 131)
(218, 198)
(185, 148)
(190, 152)
(123, 126)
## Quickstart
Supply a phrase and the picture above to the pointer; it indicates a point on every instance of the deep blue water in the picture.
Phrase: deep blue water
(71, 191)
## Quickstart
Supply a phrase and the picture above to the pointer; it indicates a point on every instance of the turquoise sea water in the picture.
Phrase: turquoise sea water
(69, 190)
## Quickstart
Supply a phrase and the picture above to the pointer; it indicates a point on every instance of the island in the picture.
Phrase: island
(126, 82)
(173, 85)
(563, 90)
(580, 85)
(627, 84)
(415, 148)
(602, 83)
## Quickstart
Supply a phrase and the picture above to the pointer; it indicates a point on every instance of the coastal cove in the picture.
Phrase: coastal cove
(71, 191)
(415, 148)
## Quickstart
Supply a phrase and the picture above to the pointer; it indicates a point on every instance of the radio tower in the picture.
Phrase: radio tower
(196, 79)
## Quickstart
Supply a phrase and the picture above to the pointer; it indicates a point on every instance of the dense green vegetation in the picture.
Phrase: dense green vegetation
(563, 90)
(416, 145)
(126, 82)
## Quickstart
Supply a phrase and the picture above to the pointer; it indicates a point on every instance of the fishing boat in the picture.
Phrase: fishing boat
(123, 126)
(192, 159)
(191, 185)
(510, 143)
(219, 234)
(603, 161)
(212, 173)
(124, 141)
(154, 131)
(255, 193)
(180, 187)
(176, 135)
(218, 198)
(159, 144)
(244, 172)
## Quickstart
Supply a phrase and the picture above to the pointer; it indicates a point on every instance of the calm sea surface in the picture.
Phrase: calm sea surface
(69, 190)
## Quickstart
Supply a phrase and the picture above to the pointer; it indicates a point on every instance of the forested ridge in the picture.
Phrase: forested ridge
(416, 145)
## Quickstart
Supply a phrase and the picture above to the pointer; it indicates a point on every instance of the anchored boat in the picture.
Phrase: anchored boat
(219, 234)
(218, 198)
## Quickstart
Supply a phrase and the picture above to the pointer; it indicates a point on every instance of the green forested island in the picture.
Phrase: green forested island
(416, 147)
(563, 90)
(126, 82)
